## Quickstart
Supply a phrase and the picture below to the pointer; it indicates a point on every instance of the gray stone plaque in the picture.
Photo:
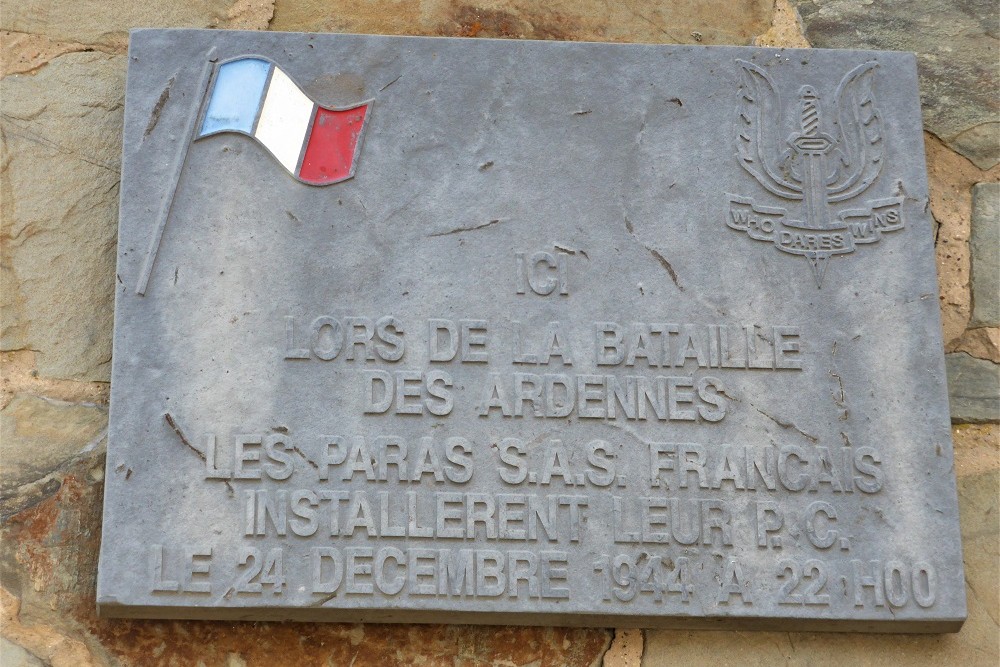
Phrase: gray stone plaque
(415, 329)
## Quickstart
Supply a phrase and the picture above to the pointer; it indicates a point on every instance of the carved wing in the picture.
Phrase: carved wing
(758, 142)
(859, 134)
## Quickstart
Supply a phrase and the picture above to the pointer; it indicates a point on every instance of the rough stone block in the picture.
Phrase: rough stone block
(985, 244)
(956, 45)
(682, 21)
(973, 388)
(12, 655)
(107, 22)
(61, 149)
(979, 497)
(982, 343)
(37, 435)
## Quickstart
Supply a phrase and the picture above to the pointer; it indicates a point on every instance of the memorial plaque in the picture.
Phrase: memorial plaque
(473, 331)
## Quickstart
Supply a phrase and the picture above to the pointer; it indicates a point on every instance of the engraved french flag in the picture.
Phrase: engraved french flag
(317, 145)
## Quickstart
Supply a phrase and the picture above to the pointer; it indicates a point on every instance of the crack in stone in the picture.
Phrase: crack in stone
(635, 12)
(38, 51)
(786, 424)
(323, 601)
(841, 402)
(666, 265)
(295, 448)
(459, 230)
(395, 211)
(25, 133)
(661, 260)
(390, 83)
(976, 595)
(180, 434)
(571, 251)
(638, 438)
(609, 635)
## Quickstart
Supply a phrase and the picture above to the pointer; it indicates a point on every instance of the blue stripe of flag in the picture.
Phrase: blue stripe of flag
(236, 96)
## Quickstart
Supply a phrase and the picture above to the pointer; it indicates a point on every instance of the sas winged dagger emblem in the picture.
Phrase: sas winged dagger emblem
(833, 154)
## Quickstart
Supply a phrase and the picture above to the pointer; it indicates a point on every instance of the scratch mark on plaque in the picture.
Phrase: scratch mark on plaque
(323, 601)
(176, 270)
(656, 255)
(154, 117)
(394, 212)
(638, 438)
(459, 230)
(537, 440)
(881, 514)
(570, 251)
(786, 424)
(583, 112)
(291, 216)
(295, 448)
(486, 165)
(922, 297)
(177, 430)
(666, 265)
(390, 83)
(677, 101)
(187, 443)
(841, 401)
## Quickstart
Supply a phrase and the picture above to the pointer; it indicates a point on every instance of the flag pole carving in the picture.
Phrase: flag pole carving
(250, 95)
(161, 222)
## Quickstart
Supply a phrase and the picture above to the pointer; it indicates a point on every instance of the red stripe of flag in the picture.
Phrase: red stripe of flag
(332, 143)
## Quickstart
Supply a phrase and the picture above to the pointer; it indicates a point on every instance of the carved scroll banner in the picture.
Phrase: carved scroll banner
(476, 331)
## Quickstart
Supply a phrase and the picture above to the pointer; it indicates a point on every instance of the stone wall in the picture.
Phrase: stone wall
(61, 101)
